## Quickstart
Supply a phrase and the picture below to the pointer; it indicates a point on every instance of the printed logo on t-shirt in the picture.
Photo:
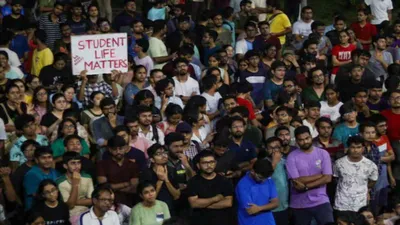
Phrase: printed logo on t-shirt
(160, 217)
(318, 163)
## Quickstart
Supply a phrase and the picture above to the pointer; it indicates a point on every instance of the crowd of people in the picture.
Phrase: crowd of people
(230, 112)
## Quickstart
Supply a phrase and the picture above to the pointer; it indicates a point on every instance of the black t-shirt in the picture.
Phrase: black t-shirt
(150, 176)
(12, 23)
(50, 75)
(58, 215)
(203, 188)
(12, 113)
(17, 179)
(48, 119)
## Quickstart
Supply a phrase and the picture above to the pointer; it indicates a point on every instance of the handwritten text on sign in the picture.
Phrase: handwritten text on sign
(100, 53)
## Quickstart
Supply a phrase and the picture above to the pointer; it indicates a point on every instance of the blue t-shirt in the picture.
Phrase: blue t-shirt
(271, 90)
(20, 45)
(281, 182)
(343, 132)
(243, 153)
(248, 192)
(257, 80)
(32, 180)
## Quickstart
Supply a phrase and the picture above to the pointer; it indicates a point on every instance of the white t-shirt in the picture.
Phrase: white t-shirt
(3, 134)
(379, 10)
(313, 130)
(241, 47)
(13, 59)
(352, 186)
(186, 88)
(157, 48)
(212, 101)
(330, 112)
(302, 28)
(260, 4)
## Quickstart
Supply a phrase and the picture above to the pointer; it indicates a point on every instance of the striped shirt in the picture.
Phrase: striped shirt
(52, 29)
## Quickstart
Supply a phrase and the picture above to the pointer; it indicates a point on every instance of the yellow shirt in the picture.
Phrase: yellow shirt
(278, 24)
(41, 59)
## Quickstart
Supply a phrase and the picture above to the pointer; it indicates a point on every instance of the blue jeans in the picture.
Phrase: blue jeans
(323, 214)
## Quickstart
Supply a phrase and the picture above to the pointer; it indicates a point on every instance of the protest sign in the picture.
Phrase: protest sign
(100, 53)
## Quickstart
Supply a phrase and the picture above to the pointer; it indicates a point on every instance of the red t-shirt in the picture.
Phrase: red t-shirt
(249, 106)
(393, 123)
(342, 54)
(364, 33)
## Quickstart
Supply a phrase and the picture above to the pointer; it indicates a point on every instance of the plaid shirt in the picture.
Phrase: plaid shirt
(101, 86)
(374, 156)
(192, 151)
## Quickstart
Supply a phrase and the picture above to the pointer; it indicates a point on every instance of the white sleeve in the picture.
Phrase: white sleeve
(3, 134)
(296, 29)
(161, 137)
(14, 60)
(390, 5)
(241, 47)
(368, 2)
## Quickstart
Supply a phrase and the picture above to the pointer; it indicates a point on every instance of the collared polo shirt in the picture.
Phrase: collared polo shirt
(245, 152)
(89, 218)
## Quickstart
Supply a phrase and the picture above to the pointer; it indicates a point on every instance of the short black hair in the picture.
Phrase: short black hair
(130, 119)
(312, 104)
(68, 156)
(116, 141)
(279, 129)
(151, 151)
(41, 35)
(71, 137)
(173, 137)
(276, 64)
(142, 185)
(364, 125)
(23, 120)
(180, 60)
(42, 150)
(143, 43)
(161, 85)
(106, 102)
(236, 118)
(242, 110)
(28, 143)
(356, 139)
(272, 139)
(301, 130)
(143, 109)
(204, 154)
(120, 128)
(158, 25)
(99, 189)
(316, 24)
(263, 167)
(378, 118)
(323, 120)
(212, 33)
(244, 87)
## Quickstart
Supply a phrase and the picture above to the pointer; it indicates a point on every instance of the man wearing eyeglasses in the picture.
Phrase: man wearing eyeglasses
(100, 213)
(257, 196)
(119, 171)
(210, 194)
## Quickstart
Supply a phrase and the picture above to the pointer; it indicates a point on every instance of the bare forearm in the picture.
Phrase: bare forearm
(286, 31)
(202, 202)
(321, 181)
(120, 186)
(308, 179)
(176, 193)
(73, 197)
(161, 59)
(270, 206)
(81, 95)
(158, 186)
(114, 89)
(9, 191)
(84, 202)
(225, 203)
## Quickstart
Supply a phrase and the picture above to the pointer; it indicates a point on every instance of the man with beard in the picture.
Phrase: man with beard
(120, 172)
(102, 127)
(41, 171)
(246, 44)
(393, 123)
(174, 143)
(185, 86)
(75, 187)
(364, 30)
(302, 27)
(123, 21)
(79, 25)
(229, 102)
(380, 58)
(310, 46)
(325, 140)
(146, 128)
(138, 33)
(265, 38)
(50, 23)
(346, 86)
(376, 103)
(244, 149)
(210, 194)
(316, 91)
(309, 169)
(209, 44)
(102, 199)
(312, 110)
(355, 175)
(279, 22)
(257, 195)
(360, 100)
(224, 35)
(358, 57)
(15, 22)
(141, 143)
(284, 133)
(64, 44)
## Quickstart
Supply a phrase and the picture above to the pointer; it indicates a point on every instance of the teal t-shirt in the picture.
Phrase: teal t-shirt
(59, 150)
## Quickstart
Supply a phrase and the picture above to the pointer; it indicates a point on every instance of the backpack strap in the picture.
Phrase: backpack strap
(10, 121)
(155, 133)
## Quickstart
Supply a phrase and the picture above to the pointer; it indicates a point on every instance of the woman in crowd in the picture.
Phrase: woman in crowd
(12, 107)
(67, 127)
(51, 119)
(49, 204)
(41, 104)
(330, 107)
(69, 94)
(173, 114)
(268, 56)
(93, 112)
(150, 211)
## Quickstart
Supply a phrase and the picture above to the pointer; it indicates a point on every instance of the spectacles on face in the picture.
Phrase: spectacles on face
(208, 162)
(108, 200)
(69, 126)
(163, 153)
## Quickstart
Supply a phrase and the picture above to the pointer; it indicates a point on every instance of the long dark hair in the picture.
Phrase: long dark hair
(61, 127)
(39, 194)
(36, 102)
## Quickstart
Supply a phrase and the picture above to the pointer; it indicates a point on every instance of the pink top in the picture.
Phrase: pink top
(142, 144)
